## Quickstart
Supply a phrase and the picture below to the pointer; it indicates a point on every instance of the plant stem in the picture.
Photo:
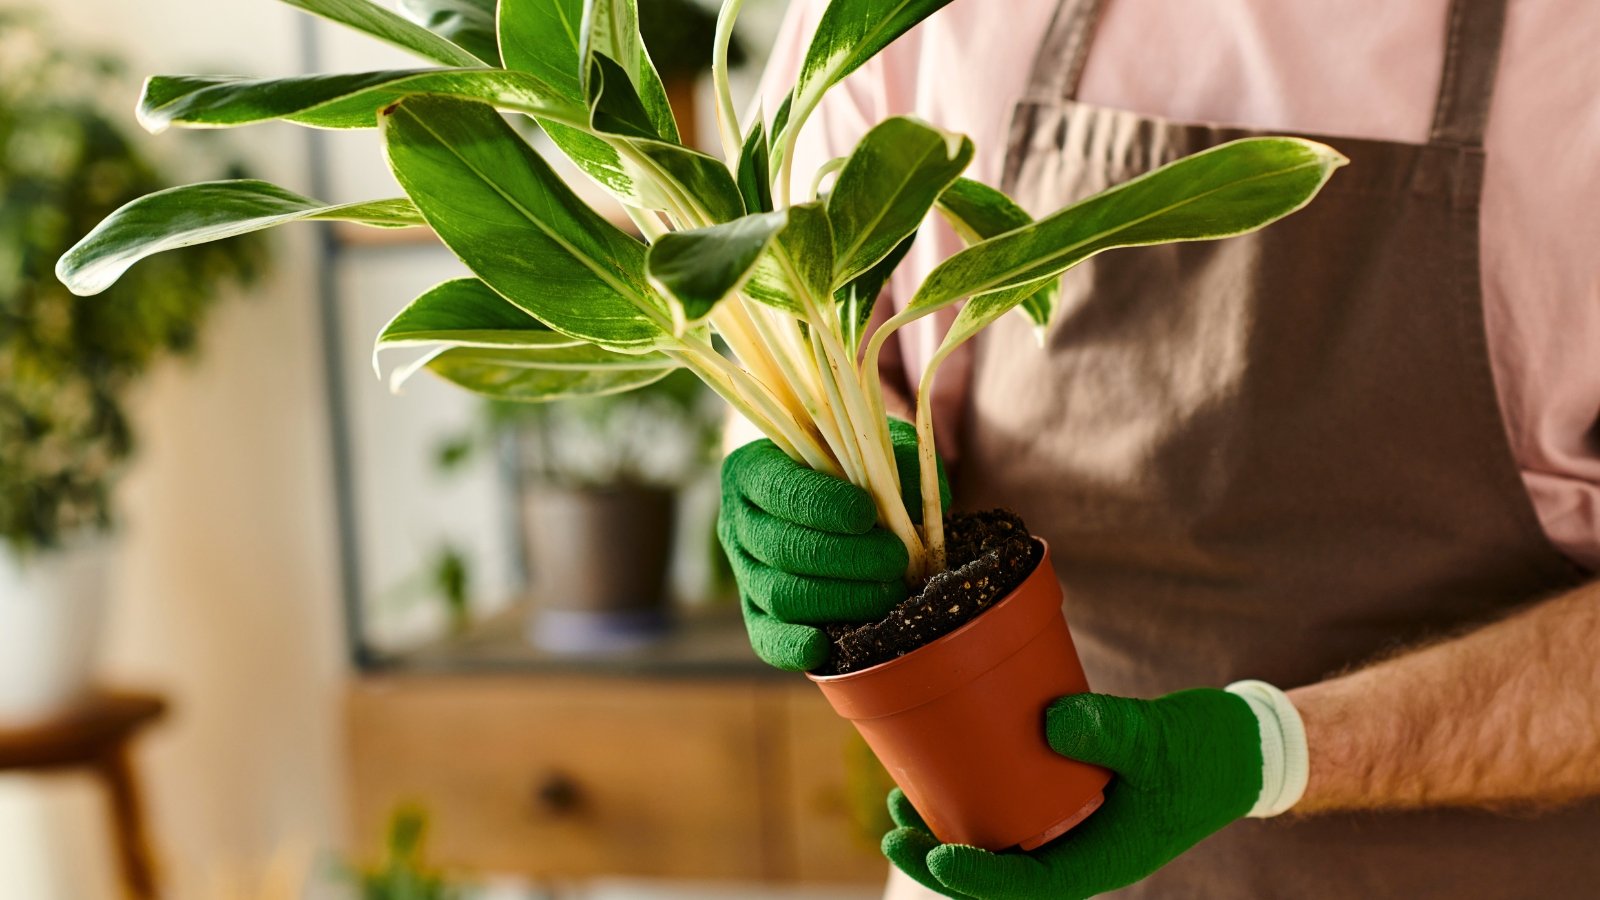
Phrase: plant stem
(928, 469)
(727, 116)
(830, 167)
(798, 437)
(747, 345)
(793, 378)
(877, 454)
(647, 221)
(854, 460)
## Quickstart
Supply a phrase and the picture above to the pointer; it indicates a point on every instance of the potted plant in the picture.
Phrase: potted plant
(599, 479)
(404, 872)
(66, 364)
(562, 303)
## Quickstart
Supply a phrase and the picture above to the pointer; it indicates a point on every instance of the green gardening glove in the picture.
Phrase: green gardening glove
(806, 550)
(1186, 765)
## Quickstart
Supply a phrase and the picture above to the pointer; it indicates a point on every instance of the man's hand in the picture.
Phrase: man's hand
(806, 551)
(1186, 765)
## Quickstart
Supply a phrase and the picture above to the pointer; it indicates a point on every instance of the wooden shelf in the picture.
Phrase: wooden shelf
(701, 644)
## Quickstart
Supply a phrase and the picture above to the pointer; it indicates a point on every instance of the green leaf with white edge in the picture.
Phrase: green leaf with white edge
(700, 268)
(702, 180)
(780, 121)
(201, 213)
(858, 298)
(978, 212)
(1227, 190)
(505, 213)
(469, 24)
(611, 28)
(887, 188)
(754, 171)
(339, 101)
(614, 106)
(544, 39)
(798, 265)
(546, 375)
(652, 174)
(465, 312)
(389, 27)
(849, 33)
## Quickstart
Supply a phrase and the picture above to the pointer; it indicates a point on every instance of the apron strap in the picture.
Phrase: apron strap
(1471, 61)
(1461, 115)
(1058, 67)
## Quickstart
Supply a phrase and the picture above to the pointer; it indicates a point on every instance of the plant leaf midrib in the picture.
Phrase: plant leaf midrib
(626, 291)
(841, 260)
(1069, 249)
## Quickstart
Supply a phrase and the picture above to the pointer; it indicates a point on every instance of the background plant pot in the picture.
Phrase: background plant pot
(959, 723)
(599, 560)
(52, 605)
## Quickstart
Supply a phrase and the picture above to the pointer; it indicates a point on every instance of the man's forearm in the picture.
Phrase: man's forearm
(1508, 715)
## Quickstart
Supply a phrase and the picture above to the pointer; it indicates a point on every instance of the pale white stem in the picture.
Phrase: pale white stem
(928, 466)
(877, 454)
(854, 461)
(727, 116)
(830, 167)
(798, 434)
(747, 346)
(648, 222)
(793, 378)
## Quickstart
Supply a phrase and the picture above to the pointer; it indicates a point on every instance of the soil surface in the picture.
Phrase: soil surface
(989, 553)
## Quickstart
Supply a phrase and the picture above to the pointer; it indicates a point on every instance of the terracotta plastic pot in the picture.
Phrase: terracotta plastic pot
(959, 723)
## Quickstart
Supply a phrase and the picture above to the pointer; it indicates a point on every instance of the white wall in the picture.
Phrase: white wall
(227, 595)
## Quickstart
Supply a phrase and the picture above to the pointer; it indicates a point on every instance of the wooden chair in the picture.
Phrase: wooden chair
(96, 735)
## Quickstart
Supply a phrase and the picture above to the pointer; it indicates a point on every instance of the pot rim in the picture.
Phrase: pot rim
(952, 637)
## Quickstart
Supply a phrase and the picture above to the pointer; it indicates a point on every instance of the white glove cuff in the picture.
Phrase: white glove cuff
(1286, 763)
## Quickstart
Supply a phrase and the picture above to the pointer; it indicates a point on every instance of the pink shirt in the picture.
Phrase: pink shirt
(1358, 68)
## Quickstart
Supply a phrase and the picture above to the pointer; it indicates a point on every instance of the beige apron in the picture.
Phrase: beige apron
(1276, 457)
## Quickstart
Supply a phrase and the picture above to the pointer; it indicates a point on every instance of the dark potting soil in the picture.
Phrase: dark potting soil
(989, 554)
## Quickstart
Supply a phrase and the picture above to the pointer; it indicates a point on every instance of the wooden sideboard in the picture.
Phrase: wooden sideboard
(564, 776)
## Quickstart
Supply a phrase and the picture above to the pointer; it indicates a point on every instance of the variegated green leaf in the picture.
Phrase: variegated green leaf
(200, 213)
(465, 312)
(389, 27)
(544, 39)
(886, 189)
(754, 172)
(858, 298)
(469, 24)
(978, 212)
(849, 33)
(611, 29)
(339, 101)
(546, 375)
(799, 265)
(699, 269)
(502, 210)
(1228, 190)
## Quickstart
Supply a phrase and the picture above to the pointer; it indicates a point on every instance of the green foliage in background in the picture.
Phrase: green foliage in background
(67, 363)
(564, 301)
(404, 874)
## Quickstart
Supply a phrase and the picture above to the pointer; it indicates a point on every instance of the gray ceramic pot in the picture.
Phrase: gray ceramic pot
(599, 561)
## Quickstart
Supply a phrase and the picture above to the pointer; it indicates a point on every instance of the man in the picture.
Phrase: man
(1286, 456)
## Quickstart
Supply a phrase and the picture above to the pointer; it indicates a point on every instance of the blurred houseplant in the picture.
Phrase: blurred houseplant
(67, 363)
(404, 874)
(598, 477)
